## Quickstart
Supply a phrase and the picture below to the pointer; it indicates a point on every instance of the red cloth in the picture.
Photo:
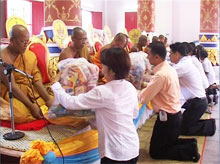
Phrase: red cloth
(34, 125)
(40, 51)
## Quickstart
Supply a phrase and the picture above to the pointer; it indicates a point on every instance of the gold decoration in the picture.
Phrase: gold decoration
(11, 21)
(52, 67)
(209, 14)
(65, 16)
(76, 19)
(76, 3)
(124, 31)
(213, 55)
(107, 34)
(60, 33)
(203, 39)
(134, 35)
(146, 15)
(214, 38)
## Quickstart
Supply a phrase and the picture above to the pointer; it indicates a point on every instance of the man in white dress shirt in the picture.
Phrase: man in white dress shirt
(209, 71)
(193, 91)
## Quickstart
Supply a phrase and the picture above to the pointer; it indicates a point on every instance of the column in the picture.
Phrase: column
(209, 29)
(146, 15)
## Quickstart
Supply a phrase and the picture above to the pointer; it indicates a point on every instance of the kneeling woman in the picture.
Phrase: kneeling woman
(115, 104)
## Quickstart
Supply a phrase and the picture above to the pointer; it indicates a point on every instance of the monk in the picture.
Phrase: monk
(140, 46)
(26, 91)
(120, 40)
(78, 46)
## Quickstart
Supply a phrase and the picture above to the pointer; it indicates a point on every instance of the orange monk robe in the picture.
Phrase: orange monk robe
(85, 53)
(21, 112)
(96, 57)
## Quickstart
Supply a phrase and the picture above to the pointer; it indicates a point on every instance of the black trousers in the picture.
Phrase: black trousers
(165, 144)
(106, 160)
(192, 124)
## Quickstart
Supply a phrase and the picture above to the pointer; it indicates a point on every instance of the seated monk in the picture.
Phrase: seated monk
(26, 91)
(140, 46)
(120, 40)
(78, 46)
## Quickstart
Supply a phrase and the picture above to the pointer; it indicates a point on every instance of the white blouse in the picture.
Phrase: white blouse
(115, 105)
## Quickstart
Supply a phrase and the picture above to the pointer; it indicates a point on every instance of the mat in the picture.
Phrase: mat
(58, 132)
(145, 133)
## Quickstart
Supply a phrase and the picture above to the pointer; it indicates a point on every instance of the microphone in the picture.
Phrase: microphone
(11, 66)
(3, 63)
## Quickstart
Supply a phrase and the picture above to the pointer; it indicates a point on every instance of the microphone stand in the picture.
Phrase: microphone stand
(12, 135)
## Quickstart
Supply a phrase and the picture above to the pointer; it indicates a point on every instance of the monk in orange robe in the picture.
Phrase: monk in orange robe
(78, 46)
(120, 40)
(26, 91)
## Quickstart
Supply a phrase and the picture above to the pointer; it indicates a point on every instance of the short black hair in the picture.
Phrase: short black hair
(117, 60)
(158, 48)
(203, 53)
(179, 47)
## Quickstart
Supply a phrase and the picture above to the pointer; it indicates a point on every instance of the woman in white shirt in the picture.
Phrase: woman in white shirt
(115, 104)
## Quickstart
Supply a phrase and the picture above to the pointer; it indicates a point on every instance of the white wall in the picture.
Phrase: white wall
(114, 13)
(92, 5)
(186, 20)
(163, 15)
(179, 20)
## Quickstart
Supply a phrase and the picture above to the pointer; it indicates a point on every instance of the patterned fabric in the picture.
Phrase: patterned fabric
(78, 76)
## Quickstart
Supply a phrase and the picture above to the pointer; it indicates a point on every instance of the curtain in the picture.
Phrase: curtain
(37, 17)
(97, 20)
(130, 20)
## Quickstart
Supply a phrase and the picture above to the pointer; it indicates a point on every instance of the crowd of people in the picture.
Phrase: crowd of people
(185, 82)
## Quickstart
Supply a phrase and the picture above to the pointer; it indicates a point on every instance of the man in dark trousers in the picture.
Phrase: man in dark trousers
(193, 92)
(163, 91)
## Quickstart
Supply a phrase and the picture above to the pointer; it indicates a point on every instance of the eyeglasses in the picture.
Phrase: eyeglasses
(81, 39)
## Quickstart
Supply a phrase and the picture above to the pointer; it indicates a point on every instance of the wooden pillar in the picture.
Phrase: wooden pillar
(146, 15)
(209, 28)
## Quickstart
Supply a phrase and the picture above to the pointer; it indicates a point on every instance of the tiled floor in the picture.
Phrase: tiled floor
(211, 153)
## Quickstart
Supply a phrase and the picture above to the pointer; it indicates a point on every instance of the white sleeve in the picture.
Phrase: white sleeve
(205, 65)
(89, 100)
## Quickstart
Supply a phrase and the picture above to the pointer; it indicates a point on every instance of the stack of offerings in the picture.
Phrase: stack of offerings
(77, 76)
(139, 65)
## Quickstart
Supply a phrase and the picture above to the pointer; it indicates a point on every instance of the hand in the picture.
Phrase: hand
(49, 103)
(36, 112)
(58, 77)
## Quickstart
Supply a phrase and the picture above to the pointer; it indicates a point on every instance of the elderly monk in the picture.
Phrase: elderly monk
(28, 94)
(78, 46)
(120, 40)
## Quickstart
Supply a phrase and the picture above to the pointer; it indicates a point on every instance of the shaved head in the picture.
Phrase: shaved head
(19, 39)
(17, 31)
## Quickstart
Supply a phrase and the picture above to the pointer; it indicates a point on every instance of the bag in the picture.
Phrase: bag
(78, 76)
